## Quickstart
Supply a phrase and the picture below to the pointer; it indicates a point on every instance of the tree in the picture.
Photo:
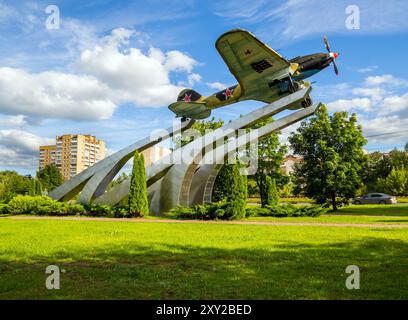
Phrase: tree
(50, 177)
(12, 184)
(236, 193)
(396, 182)
(138, 203)
(270, 158)
(406, 147)
(398, 158)
(222, 185)
(35, 188)
(378, 166)
(332, 148)
(272, 194)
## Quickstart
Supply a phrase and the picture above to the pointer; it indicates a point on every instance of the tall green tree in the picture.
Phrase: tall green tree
(237, 192)
(138, 202)
(270, 158)
(272, 193)
(35, 188)
(50, 177)
(332, 148)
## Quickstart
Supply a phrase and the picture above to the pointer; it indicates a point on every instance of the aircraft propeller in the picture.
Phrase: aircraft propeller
(333, 55)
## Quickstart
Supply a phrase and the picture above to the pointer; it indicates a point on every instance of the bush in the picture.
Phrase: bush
(42, 205)
(4, 209)
(98, 210)
(34, 205)
(288, 210)
(213, 211)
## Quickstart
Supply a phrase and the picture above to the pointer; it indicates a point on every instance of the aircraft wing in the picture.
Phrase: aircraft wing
(249, 59)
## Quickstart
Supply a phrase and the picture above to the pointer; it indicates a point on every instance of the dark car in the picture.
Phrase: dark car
(375, 198)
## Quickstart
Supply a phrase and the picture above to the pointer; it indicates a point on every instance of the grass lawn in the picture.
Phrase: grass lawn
(375, 210)
(149, 260)
(376, 214)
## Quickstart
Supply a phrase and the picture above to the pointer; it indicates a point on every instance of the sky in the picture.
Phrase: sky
(110, 68)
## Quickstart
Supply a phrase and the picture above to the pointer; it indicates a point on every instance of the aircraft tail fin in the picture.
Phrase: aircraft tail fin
(190, 104)
(189, 95)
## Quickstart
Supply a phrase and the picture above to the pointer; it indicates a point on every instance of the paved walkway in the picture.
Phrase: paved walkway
(258, 223)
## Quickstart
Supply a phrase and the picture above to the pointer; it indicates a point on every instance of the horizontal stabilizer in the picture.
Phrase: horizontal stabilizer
(192, 110)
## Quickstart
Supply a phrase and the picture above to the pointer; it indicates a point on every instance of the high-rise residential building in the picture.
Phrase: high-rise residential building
(73, 153)
(47, 155)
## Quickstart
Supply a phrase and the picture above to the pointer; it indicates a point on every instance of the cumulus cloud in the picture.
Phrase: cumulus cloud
(54, 95)
(361, 104)
(109, 74)
(20, 148)
(135, 76)
(386, 79)
(15, 121)
(382, 104)
(217, 85)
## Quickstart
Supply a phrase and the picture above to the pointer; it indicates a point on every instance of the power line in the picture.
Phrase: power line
(387, 134)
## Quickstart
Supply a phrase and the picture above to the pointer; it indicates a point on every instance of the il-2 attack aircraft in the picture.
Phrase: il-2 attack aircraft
(262, 74)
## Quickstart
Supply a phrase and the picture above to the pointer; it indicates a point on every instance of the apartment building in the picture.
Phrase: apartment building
(47, 155)
(73, 153)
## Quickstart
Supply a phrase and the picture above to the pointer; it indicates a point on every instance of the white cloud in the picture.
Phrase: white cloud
(54, 95)
(394, 104)
(143, 79)
(193, 78)
(367, 69)
(20, 148)
(107, 75)
(386, 79)
(217, 85)
(361, 104)
(376, 94)
(15, 121)
(382, 104)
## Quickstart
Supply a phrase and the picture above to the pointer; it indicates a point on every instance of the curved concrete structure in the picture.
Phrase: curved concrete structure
(177, 173)
(94, 180)
(188, 174)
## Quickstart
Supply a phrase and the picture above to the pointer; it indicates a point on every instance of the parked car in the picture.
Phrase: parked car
(375, 198)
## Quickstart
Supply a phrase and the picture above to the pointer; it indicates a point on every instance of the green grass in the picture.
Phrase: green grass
(334, 218)
(375, 210)
(128, 260)
(376, 214)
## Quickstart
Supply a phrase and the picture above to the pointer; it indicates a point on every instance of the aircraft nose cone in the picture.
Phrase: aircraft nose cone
(334, 55)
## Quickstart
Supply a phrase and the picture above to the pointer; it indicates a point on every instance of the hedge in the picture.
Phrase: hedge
(287, 210)
(217, 211)
(42, 205)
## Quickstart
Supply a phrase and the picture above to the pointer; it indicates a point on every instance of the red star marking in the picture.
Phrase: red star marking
(228, 92)
(187, 98)
(248, 52)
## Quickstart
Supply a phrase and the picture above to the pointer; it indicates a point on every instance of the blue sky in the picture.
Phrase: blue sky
(112, 67)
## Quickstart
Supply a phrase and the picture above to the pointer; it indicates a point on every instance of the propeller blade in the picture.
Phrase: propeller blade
(336, 70)
(326, 42)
